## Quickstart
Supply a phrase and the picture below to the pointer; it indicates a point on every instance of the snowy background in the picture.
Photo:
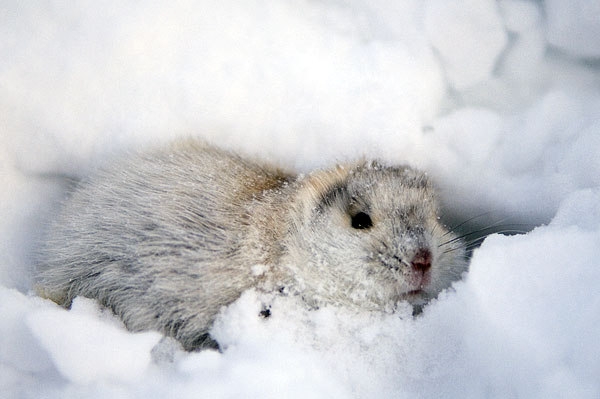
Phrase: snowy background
(498, 101)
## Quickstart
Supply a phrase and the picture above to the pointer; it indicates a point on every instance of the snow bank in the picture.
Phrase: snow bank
(498, 101)
(277, 73)
(488, 161)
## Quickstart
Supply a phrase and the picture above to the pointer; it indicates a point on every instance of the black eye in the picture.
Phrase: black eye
(361, 221)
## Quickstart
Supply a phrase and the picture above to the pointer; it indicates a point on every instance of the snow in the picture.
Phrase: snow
(574, 26)
(115, 354)
(498, 101)
(457, 30)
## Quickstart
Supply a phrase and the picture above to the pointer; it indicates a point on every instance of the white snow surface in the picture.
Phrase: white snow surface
(498, 101)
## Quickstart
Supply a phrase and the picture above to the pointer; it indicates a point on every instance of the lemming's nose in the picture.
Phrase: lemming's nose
(422, 260)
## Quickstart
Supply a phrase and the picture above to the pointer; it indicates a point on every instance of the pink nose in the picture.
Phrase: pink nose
(422, 260)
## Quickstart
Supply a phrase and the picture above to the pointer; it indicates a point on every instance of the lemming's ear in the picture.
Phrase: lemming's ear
(320, 186)
(319, 183)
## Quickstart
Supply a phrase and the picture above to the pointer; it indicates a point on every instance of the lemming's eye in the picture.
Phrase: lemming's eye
(361, 221)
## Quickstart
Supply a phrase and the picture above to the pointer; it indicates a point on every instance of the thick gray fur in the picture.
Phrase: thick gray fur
(167, 237)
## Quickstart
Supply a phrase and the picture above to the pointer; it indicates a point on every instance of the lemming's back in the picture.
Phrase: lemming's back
(179, 213)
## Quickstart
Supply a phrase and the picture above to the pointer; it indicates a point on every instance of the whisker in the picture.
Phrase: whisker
(451, 229)
(475, 242)
(495, 225)
(467, 247)
(468, 234)
(435, 227)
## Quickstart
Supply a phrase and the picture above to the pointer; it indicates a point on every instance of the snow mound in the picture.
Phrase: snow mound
(85, 349)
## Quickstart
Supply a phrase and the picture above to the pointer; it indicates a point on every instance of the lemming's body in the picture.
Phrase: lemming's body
(167, 237)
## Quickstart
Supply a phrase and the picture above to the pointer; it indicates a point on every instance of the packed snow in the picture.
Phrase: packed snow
(499, 101)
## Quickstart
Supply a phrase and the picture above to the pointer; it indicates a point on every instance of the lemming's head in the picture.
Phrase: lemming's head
(370, 236)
